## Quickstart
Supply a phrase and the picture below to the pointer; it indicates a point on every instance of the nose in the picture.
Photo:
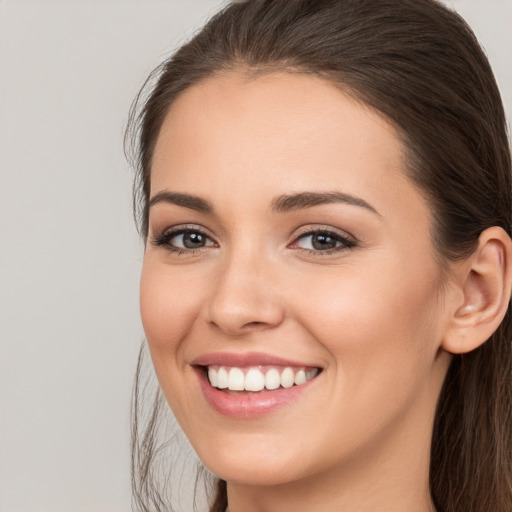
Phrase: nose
(244, 297)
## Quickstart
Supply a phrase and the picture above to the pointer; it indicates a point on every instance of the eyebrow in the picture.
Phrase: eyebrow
(290, 202)
(281, 204)
(186, 200)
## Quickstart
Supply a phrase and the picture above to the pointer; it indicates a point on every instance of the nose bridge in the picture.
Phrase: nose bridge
(243, 297)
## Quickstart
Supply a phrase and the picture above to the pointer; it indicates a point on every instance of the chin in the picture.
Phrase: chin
(255, 473)
(253, 462)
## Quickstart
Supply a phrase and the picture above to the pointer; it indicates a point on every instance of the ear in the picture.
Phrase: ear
(485, 280)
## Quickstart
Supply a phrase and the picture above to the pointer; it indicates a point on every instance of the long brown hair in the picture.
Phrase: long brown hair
(419, 65)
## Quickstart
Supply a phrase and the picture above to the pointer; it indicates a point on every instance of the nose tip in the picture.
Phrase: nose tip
(242, 317)
(243, 302)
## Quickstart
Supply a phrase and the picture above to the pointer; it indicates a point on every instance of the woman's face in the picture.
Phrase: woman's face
(287, 249)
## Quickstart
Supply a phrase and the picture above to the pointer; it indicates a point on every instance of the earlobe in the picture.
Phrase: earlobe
(486, 283)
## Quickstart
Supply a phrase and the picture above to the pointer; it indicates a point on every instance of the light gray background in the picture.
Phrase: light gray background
(70, 257)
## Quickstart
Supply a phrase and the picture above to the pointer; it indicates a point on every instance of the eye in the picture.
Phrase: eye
(190, 240)
(183, 239)
(323, 241)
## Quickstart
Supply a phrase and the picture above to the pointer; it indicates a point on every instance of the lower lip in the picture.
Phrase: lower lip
(248, 405)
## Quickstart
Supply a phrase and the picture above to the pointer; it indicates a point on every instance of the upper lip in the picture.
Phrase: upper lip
(246, 359)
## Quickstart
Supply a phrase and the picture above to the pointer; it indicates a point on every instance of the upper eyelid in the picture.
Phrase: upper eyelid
(183, 228)
(321, 228)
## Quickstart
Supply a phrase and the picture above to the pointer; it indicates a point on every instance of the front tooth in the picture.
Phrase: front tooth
(212, 376)
(287, 378)
(254, 380)
(222, 378)
(300, 377)
(236, 379)
(272, 379)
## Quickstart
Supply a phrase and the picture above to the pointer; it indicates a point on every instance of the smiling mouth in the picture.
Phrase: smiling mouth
(232, 379)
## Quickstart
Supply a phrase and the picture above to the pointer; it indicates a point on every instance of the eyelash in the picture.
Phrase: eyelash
(165, 238)
(344, 241)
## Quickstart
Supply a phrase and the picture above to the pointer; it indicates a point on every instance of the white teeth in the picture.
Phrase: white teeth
(254, 379)
(212, 376)
(236, 379)
(311, 373)
(272, 379)
(300, 377)
(287, 378)
(222, 379)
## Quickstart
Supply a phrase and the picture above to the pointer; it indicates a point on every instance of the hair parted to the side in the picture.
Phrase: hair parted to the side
(418, 64)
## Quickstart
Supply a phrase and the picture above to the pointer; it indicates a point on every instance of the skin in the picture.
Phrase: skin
(373, 315)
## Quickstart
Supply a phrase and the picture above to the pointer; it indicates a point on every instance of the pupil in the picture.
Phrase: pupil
(323, 241)
(193, 240)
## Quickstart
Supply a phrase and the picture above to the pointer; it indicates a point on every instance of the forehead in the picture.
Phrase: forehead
(278, 133)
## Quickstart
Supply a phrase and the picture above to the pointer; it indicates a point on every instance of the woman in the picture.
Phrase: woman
(325, 194)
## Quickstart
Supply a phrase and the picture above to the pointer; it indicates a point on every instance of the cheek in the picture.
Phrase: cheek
(381, 337)
(376, 326)
(168, 309)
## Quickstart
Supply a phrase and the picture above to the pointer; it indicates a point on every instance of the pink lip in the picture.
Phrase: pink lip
(245, 359)
(246, 405)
